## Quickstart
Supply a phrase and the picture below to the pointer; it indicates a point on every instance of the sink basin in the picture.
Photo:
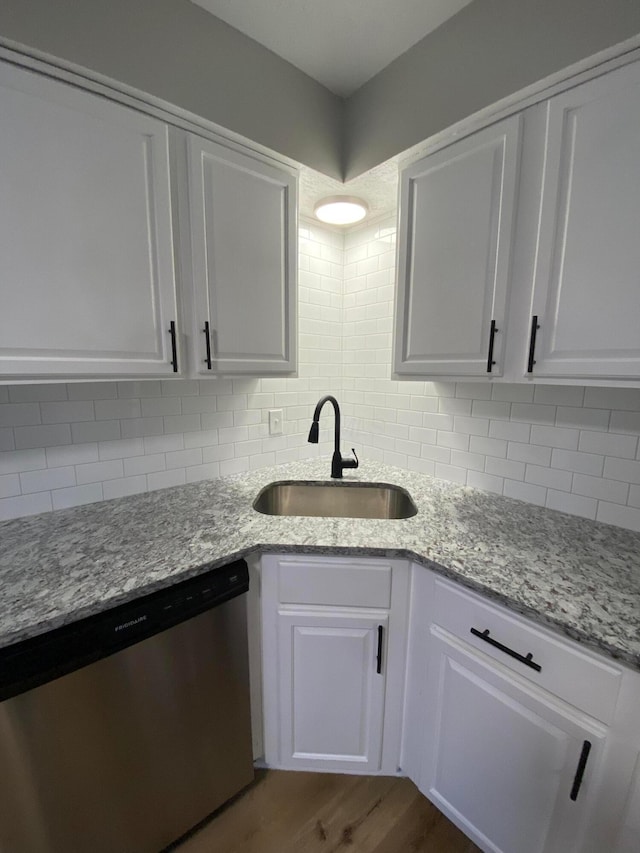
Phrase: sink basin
(335, 500)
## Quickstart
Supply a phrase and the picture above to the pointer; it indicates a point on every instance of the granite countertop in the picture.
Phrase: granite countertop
(580, 577)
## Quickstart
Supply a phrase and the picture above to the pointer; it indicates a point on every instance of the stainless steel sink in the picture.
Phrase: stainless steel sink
(335, 500)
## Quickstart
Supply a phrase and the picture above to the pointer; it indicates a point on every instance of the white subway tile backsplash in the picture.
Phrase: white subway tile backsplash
(10, 485)
(165, 479)
(67, 412)
(600, 488)
(90, 431)
(533, 413)
(49, 478)
(34, 393)
(156, 406)
(510, 431)
(19, 414)
(19, 505)
(624, 516)
(184, 458)
(552, 478)
(107, 410)
(582, 418)
(613, 398)
(48, 435)
(505, 468)
(488, 446)
(6, 439)
(530, 453)
(559, 395)
(574, 460)
(472, 426)
(120, 448)
(625, 422)
(488, 482)
(91, 390)
(16, 461)
(144, 464)
(608, 444)
(124, 486)
(561, 437)
(76, 495)
(573, 504)
(622, 469)
(451, 473)
(156, 433)
(141, 427)
(525, 492)
(97, 472)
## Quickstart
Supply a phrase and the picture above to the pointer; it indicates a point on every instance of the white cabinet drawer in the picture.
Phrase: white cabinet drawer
(557, 665)
(339, 582)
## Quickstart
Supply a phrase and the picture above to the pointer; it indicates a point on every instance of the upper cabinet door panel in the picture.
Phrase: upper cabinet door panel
(86, 257)
(243, 222)
(456, 219)
(587, 280)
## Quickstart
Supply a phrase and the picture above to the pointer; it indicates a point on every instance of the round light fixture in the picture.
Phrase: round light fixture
(341, 210)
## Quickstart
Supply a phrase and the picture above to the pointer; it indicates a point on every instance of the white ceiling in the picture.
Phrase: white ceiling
(340, 43)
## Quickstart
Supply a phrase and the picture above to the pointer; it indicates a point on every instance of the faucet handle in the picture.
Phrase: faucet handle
(351, 463)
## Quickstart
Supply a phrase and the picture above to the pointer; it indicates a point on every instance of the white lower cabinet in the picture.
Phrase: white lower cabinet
(333, 672)
(331, 689)
(514, 769)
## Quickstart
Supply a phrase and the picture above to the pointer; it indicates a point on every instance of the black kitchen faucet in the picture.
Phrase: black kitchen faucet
(338, 464)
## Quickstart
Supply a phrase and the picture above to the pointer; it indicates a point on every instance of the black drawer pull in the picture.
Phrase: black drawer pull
(174, 346)
(532, 343)
(582, 763)
(207, 340)
(525, 659)
(492, 335)
(379, 654)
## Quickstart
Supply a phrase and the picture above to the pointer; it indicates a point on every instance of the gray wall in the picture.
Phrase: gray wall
(490, 49)
(177, 51)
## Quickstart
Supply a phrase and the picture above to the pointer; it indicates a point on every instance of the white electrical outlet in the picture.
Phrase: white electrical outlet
(275, 421)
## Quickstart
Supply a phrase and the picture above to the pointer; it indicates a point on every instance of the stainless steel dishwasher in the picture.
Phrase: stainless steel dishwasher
(122, 731)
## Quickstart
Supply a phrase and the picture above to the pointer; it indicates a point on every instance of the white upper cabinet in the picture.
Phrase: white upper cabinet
(587, 274)
(86, 250)
(456, 226)
(244, 244)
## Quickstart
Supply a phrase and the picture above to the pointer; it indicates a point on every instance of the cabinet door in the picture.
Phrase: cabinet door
(331, 692)
(503, 760)
(586, 284)
(86, 257)
(243, 237)
(456, 224)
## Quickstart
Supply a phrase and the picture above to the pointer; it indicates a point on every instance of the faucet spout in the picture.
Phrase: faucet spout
(337, 462)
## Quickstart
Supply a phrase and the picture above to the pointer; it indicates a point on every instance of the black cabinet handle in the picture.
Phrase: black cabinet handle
(207, 340)
(525, 659)
(379, 654)
(532, 343)
(582, 763)
(492, 335)
(174, 346)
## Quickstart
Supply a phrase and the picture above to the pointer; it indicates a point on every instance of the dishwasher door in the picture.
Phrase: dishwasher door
(127, 754)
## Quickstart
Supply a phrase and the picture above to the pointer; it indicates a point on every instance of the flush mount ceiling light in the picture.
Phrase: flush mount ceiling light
(341, 210)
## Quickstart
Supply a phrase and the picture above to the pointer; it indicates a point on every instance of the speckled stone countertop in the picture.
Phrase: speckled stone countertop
(577, 576)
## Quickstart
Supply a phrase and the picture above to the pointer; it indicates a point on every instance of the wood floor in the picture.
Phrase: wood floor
(287, 812)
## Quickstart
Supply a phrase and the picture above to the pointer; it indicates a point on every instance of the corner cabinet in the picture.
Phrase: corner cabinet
(586, 294)
(86, 251)
(128, 244)
(243, 215)
(527, 741)
(456, 231)
(527, 271)
(333, 662)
